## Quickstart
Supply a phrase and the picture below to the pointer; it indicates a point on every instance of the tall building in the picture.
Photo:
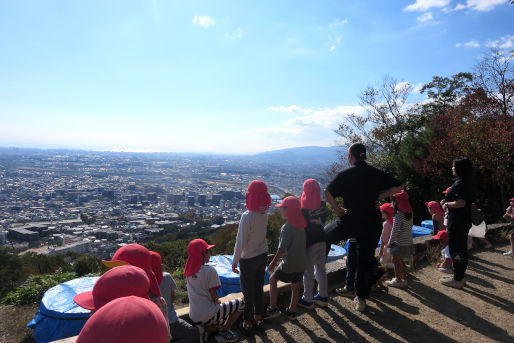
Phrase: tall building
(202, 199)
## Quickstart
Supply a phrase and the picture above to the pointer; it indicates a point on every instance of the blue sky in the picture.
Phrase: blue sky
(221, 76)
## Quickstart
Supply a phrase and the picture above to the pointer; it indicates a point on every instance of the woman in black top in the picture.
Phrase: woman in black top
(458, 202)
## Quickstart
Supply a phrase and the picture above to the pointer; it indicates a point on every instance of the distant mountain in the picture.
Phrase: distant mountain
(307, 154)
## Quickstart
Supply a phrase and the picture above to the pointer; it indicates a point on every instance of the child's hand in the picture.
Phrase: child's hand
(234, 268)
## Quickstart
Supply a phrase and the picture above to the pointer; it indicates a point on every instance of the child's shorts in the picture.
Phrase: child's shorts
(225, 310)
(288, 277)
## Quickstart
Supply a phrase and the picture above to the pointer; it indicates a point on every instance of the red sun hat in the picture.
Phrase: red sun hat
(115, 283)
(156, 264)
(311, 195)
(257, 196)
(126, 320)
(435, 206)
(402, 202)
(135, 255)
(511, 199)
(441, 235)
(293, 212)
(447, 190)
(388, 208)
(195, 250)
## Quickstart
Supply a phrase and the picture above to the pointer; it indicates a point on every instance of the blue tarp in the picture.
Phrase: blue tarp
(230, 280)
(58, 316)
(428, 224)
(418, 231)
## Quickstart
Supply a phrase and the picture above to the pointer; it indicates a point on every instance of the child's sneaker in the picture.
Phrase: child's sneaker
(305, 304)
(271, 313)
(226, 337)
(453, 283)
(508, 253)
(320, 301)
(345, 292)
(289, 314)
(446, 270)
(360, 304)
(397, 283)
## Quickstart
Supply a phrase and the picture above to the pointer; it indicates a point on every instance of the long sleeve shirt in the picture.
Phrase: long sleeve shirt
(251, 236)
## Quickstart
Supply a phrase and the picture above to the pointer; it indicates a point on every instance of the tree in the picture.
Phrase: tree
(386, 122)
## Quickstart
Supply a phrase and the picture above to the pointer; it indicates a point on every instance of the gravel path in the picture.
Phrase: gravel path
(425, 312)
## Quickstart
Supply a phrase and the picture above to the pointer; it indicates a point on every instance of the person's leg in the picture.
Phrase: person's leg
(308, 275)
(458, 241)
(365, 252)
(183, 332)
(351, 265)
(320, 269)
(259, 285)
(273, 292)
(295, 296)
(248, 287)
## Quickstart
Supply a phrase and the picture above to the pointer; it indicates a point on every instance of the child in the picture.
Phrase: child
(128, 319)
(387, 215)
(445, 265)
(314, 212)
(400, 243)
(437, 213)
(509, 215)
(292, 247)
(251, 251)
(205, 309)
(182, 331)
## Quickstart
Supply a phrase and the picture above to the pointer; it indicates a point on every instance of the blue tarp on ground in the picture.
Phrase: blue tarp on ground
(230, 280)
(428, 224)
(418, 231)
(58, 316)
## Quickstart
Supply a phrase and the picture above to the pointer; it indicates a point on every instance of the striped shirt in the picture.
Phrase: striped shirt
(402, 229)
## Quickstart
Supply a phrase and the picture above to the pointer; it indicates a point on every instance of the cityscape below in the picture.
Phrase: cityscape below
(59, 201)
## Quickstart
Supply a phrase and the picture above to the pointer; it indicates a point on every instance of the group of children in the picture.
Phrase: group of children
(135, 292)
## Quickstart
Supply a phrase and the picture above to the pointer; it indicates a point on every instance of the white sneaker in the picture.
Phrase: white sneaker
(446, 270)
(508, 253)
(397, 283)
(360, 304)
(452, 283)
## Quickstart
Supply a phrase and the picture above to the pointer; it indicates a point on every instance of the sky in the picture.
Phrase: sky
(222, 76)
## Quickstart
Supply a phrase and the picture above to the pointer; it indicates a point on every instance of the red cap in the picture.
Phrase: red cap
(115, 283)
(156, 263)
(126, 320)
(402, 202)
(435, 206)
(257, 197)
(194, 262)
(511, 199)
(311, 195)
(443, 235)
(447, 189)
(388, 208)
(293, 212)
(135, 255)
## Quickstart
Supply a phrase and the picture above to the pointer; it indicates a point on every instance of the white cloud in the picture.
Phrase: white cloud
(484, 5)
(327, 118)
(400, 86)
(417, 88)
(505, 42)
(332, 48)
(470, 44)
(338, 23)
(204, 21)
(237, 34)
(423, 5)
(427, 16)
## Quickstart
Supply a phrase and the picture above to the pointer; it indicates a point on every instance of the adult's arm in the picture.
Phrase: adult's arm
(338, 209)
(389, 192)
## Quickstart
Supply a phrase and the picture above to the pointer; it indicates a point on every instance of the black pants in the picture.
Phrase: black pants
(366, 265)
(252, 283)
(458, 245)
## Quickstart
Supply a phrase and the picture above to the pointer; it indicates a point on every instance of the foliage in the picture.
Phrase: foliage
(31, 290)
(87, 264)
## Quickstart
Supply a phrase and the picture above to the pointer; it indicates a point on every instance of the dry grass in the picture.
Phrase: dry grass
(13, 323)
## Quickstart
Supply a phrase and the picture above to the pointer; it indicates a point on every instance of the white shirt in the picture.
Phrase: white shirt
(251, 235)
(201, 305)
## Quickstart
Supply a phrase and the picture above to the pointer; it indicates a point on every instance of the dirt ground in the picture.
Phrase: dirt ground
(424, 312)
